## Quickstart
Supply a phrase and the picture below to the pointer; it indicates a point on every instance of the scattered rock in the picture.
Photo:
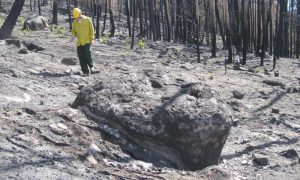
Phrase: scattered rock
(275, 111)
(69, 61)
(60, 128)
(91, 159)
(274, 120)
(276, 73)
(94, 149)
(15, 42)
(24, 140)
(155, 83)
(23, 51)
(33, 47)
(291, 154)
(36, 23)
(214, 172)
(244, 162)
(238, 94)
(260, 159)
(16, 73)
(273, 82)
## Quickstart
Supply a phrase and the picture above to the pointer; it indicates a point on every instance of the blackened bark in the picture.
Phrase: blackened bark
(298, 32)
(98, 22)
(39, 7)
(11, 19)
(128, 17)
(133, 26)
(69, 13)
(105, 16)
(112, 23)
(219, 23)
(54, 13)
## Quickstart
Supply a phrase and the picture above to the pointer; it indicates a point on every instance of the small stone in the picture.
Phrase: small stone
(60, 128)
(273, 120)
(17, 73)
(244, 162)
(238, 95)
(15, 42)
(94, 149)
(276, 73)
(291, 154)
(23, 51)
(155, 84)
(69, 61)
(260, 159)
(91, 159)
(235, 122)
(275, 111)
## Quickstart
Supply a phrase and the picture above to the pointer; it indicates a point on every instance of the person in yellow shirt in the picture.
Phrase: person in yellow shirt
(83, 29)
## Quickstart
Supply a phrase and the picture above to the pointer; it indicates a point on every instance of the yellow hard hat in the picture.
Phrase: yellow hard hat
(76, 13)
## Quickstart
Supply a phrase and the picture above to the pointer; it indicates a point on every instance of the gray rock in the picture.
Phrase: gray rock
(187, 130)
(17, 73)
(275, 110)
(238, 94)
(291, 154)
(36, 23)
(70, 61)
(274, 82)
(260, 159)
(32, 47)
(23, 51)
(15, 42)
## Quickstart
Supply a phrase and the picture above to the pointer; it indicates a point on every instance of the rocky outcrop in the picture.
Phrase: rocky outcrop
(183, 126)
(36, 23)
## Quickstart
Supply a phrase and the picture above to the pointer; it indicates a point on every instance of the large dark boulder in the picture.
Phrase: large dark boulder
(182, 126)
(36, 23)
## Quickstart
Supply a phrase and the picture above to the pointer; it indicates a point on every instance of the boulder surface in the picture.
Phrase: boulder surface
(36, 23)
(182, 126)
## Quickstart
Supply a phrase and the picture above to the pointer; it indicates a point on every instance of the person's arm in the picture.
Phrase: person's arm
(73, 30)
(91, 32)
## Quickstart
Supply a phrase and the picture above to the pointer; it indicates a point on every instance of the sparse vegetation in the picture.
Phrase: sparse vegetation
(59, 30)
(104, 39)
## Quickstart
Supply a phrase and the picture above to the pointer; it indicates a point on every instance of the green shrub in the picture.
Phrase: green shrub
(58, 30)
(1, 21)
(259, 69)
(21, 20)
(104, 39)
(141, 43)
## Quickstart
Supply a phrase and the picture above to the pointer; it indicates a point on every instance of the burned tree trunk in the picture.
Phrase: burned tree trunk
(11, 19)
(219, 23)
(213, 29)
(167, 14)
(128, 17)
(105, 16)
(69, 13)
(98, 22)
(133, 26)
(140, 5)
(39, 7)
(265, 30)
(298, 32)
(112, 23)
(54, 13)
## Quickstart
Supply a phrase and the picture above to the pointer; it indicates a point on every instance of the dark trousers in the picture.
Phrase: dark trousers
(85, 57)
